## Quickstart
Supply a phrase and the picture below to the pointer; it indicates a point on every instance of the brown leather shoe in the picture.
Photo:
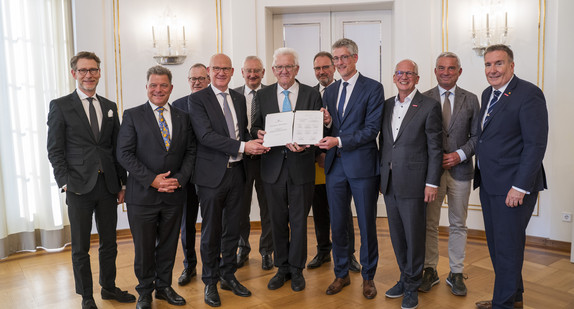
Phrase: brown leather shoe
(338, 285)
(487, 304)
(369, 289)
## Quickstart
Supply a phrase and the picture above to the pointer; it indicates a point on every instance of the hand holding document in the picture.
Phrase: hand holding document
(301, 127)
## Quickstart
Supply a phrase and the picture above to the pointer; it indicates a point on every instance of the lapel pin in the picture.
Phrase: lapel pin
(110, 113)
(414, 105)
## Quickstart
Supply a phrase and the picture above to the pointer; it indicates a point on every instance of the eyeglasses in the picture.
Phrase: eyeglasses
(288, 68)
(197, 79)
(219, 69)
(83, 72)
(324, 68)
(407, 73)
(342, 58)
(251, 71)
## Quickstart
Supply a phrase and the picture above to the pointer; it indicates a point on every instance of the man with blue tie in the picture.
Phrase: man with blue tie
(512, 140)
(354, 107)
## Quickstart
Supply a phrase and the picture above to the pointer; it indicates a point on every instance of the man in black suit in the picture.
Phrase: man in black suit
(219, 118)
(411, 158)
(512, 139)
(324, 69)
(288, 172)
(253, 72)
(82, 132)
(198, 80)
(156, 145)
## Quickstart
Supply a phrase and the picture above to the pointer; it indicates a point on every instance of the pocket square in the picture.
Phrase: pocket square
(110, 113)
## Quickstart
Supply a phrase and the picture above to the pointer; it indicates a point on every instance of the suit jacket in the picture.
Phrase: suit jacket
(301, 165)
(74, 151)
(182, 103)
(358, 129)
(214, 145)
(241, 89)
(511, 146)
(416, 154)
(462, 131)
(142, 152)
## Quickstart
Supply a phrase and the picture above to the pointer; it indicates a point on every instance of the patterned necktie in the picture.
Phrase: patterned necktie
(446, 110)
(93, 118)
(163, 128)
(286, 102)
(252, 118)
(228, 116)
(341, 107)
(491, 106)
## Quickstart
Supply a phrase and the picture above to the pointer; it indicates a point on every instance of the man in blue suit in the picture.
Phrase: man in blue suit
(512, 140)
(353, 119)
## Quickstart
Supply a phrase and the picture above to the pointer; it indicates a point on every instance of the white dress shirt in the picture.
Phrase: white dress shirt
(86, 106)
(293, 94)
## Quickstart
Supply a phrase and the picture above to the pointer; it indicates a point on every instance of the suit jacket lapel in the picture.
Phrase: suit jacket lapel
(355, 96)
(176, 126)
(238, 112)
(501, 104)
(459, 98)
(106, 120)
(214, 109)
(414, 107)
(79, 107)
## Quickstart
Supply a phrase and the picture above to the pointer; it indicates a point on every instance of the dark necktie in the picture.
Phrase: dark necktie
(252, 118)
(93, 119)
(491, 106)
(163, 128)
(342, 100)
(446, 110)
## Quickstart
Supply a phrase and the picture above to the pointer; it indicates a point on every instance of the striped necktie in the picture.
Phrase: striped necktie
(491, 106)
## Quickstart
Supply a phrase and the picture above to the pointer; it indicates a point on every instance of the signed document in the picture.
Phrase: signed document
(301, 127)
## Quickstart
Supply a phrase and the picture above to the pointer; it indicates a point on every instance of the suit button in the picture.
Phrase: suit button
(394, 146)
(480, 141)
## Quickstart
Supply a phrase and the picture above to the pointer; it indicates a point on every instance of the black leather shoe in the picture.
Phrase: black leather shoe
(297, 281)
(354, 266)
(186, 276)
(234, 285)
(89, 303)
(170, 295)
(211, 296)
(278, 280)
(144, 302)
(318, 260)
(119, 295)
(266, 262)
(241, 259)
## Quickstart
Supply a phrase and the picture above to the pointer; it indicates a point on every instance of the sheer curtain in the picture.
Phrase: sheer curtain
(35, 47)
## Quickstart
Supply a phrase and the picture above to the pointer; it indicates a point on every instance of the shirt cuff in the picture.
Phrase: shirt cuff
(520, 190)
(461, 155)
(242, 147)
(340, 145)
(432, 186)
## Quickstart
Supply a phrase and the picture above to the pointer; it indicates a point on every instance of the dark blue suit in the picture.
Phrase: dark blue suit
(509, 152)
(353, 170)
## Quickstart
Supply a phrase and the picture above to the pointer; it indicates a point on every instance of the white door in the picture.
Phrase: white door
(310, 33)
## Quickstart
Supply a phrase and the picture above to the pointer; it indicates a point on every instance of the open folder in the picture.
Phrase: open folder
(301, 127)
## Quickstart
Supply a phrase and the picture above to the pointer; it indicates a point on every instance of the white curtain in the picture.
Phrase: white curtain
(35, 47)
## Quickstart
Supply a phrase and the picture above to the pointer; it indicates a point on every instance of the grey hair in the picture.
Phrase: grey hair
(285, 51)
(348, 43)
(414, 64)
(448, 55)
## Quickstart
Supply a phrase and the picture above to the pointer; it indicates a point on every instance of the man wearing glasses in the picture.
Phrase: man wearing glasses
(82, 132)
(198, 80)
(288, 172)
(219, 118)
(411, 160)
(353, 121)
(253, 73)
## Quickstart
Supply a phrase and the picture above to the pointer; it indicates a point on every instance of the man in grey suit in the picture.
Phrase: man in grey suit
(460, 110)
(253, 73)
(411, 158)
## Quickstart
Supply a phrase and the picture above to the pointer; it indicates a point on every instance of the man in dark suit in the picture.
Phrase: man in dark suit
(460, 110)
(324, 72)
(198, 80)
(82, 132)
(252, 72)
(219, 119)
(512, 139)
(156, 145)
(287, 171)
(355, 107)
(411, 159)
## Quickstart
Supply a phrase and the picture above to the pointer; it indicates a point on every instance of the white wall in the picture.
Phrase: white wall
(247, 30)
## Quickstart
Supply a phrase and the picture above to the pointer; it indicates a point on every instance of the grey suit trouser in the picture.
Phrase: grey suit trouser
(458, 192)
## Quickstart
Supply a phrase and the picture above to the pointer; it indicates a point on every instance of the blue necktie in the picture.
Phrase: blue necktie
(491, 106)
(163, 127)
(342, 100)
(286, 102)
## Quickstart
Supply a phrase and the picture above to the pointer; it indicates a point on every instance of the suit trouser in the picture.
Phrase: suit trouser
(101, 203)
(322, 221)
(220, 208)
(458, 192)
(155, 231)
(289, 206)
(365, 192)
(188, 220)
(407, 222)
(253, 175)
(505, 229)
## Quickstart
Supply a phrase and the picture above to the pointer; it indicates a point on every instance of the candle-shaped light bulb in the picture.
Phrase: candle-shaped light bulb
(473, 31)
(153, 36)
(168, 38)
(487, 25)
(183, 36)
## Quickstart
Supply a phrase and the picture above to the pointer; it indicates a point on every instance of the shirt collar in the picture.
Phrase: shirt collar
(217, 91)
(247, 90)
(84, 96)
(352, 80)
(503, 88)
(408, 99)
(154, 107)
(293, 89)
(441, 90)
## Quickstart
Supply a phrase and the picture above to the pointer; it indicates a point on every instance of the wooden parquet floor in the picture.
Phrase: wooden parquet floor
(45, 280)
